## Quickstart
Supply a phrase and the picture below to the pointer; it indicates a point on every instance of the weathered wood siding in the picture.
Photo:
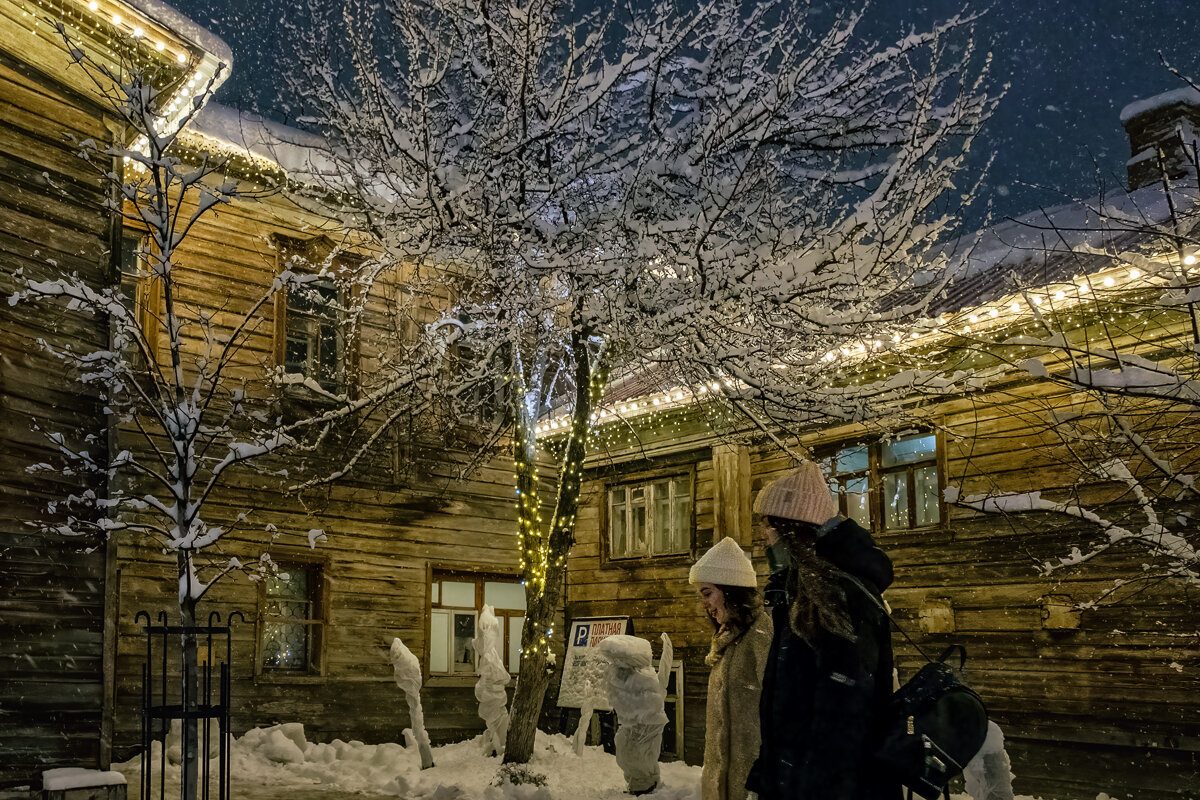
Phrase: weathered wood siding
(1112, 705)
(655, 591)
(52, 589)
(382, 536)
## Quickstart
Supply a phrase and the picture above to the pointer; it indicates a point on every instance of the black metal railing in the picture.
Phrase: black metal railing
(196, 702)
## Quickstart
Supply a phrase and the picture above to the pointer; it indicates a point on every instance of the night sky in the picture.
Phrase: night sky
(1071, 65)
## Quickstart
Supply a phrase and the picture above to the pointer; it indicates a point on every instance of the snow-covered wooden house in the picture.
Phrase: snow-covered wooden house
(392, 551)
(1039, 512)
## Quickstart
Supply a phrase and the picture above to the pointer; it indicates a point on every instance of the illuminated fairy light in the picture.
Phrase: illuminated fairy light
(1004, 311)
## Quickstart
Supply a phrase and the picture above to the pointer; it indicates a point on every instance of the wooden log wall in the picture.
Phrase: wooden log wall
(383, 536)
(1109, 705)
(653, 591)
(52, 589)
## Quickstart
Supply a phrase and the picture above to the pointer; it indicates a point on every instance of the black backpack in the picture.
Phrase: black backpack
(935, 723)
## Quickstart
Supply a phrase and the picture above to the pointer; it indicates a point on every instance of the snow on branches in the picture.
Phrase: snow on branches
(727, 191)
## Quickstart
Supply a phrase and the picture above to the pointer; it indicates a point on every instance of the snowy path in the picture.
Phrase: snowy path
(278, 763)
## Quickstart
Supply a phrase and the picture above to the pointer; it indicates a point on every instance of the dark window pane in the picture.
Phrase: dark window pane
(329, 356)
(285, 646)
(895, 500)
(296, 355)
(928, 509)
(908, 450)
(314, 342)
(851, 459)
(288, 614)
(464, 644)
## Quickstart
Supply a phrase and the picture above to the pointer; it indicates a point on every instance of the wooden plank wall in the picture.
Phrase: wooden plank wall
(51, 589)
(382, 536)
(656, 594)
(1111, 706)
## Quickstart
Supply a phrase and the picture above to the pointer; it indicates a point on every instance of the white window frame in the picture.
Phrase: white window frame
(512, 621)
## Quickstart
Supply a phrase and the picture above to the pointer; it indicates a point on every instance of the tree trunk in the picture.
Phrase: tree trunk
(545, 568)
(533, 679)
(189, 777)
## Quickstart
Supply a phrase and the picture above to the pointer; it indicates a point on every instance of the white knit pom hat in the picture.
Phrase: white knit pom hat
(725, 565)
(801, 494)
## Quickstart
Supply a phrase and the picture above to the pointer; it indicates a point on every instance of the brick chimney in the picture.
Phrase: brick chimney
(1162, 130)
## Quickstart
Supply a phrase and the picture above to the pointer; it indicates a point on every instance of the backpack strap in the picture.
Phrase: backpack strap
(878, 602)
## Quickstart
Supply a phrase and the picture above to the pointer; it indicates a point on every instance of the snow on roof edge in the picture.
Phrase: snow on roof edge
(1187, 94)
(174, 19)
(302, 155)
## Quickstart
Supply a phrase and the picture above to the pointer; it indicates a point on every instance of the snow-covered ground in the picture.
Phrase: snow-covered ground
(279, 762)
(268, 759)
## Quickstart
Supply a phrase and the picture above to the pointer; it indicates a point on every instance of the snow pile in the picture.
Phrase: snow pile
(493, 677)
(281, 756)
(58, 780)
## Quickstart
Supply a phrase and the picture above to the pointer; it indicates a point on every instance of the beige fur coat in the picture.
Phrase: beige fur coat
(731, 737)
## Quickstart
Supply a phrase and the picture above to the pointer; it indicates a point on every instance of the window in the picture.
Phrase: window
(314, 343)
(312, 318)
(653, 518)
(140, 292)
(888, 485)
(292, 620)
(455, 600)
(672, 737)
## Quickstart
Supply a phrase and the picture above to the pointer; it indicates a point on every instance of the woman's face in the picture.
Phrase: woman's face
(714, 602)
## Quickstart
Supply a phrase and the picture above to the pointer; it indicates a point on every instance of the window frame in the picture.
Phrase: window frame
(310, 253)
(876, 473)
(142, 292)
(479, 576)
(316, 671)
(677, 700)
(647, 479)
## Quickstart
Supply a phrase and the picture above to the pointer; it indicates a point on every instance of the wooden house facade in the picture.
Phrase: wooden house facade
(1091, 696)
(55, 639)
(409, 552)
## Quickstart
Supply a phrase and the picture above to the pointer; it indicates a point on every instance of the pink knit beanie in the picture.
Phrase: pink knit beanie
(801, 494)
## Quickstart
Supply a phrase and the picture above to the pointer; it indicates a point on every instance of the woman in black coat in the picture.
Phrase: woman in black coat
(829, 672)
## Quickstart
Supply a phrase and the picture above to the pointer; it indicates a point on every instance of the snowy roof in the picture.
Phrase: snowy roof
(1042, 248)
(300, 154)
(186, 28)
(1050, 245)
(1138, 107)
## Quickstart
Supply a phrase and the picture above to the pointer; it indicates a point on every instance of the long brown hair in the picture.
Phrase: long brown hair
(741, 606)
(818, 600)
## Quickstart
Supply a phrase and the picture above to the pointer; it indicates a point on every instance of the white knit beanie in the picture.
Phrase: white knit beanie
(801, 494)
(725, 565)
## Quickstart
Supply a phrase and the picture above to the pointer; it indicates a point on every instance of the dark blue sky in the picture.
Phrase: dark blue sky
(1072, 66)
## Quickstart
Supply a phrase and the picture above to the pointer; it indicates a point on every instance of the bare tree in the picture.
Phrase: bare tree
(721, 193)
(1112, 337)
(190, 409)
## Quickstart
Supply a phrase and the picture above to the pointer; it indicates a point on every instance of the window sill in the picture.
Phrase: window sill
(294, 389)
(281, 678)
(676, 559)
(451, 681)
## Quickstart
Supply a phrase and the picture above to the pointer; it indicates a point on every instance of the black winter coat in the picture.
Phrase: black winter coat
(823, 703)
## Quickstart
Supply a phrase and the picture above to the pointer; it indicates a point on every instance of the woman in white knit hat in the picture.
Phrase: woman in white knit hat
(829, 672)
(728, 588)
